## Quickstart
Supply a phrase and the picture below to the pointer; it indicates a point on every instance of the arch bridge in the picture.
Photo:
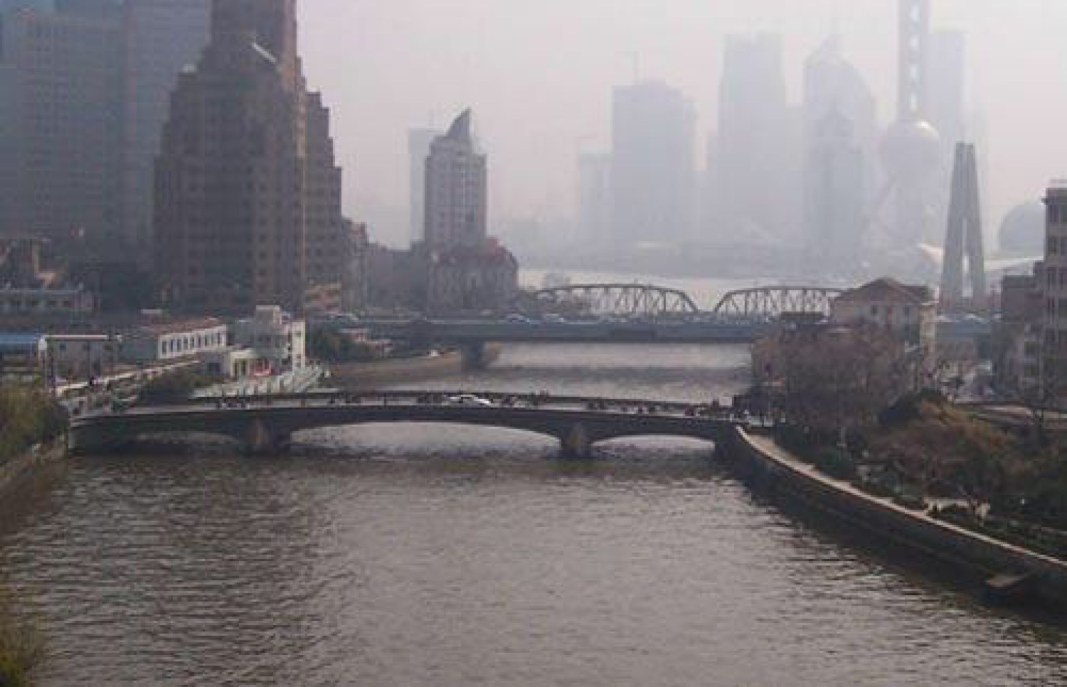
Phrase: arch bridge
(643, 301)
(263, 426)
(772, 302)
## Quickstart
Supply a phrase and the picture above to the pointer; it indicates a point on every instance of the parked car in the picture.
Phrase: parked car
(469, 400)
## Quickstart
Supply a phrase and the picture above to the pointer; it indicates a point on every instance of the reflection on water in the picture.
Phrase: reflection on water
(435, 555)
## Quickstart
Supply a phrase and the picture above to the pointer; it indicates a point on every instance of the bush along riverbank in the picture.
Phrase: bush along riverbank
(926, 455)
(21, 647)
(28, 417)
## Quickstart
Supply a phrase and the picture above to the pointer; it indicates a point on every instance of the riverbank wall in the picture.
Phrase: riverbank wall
(762, 463)
(23, 466)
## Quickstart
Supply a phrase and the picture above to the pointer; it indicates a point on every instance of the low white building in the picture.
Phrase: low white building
(171, 341)
(279, 339)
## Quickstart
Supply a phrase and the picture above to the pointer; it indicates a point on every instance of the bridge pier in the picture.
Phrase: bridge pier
(577, 444)
(262, 440)
(474, 357)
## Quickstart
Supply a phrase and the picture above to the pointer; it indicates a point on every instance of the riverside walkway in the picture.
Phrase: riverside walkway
(267, 424)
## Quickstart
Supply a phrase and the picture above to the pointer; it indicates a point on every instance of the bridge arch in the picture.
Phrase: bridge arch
(270, 429)
(645, 301)
(772, 302)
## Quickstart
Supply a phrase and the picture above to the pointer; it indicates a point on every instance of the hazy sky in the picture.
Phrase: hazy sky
(539, 75)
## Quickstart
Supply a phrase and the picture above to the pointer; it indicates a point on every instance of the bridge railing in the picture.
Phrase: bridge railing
(441, 396)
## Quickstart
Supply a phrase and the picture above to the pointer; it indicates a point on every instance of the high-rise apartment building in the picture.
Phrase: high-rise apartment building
(419, 142)
(1053, 286)
(60, 121)
(652, 176)
(758, 146)
(247, 193)
(160, 38)
(456, 189)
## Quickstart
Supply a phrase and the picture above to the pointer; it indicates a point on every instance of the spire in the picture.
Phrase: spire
(461, 127)
(964, 236)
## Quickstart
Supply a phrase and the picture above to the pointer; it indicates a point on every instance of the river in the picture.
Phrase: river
(430, 555)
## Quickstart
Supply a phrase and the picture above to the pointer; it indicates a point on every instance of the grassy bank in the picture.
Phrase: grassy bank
(21, 647)
(28, 416)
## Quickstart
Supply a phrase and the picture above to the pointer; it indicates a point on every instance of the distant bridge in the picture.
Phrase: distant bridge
(267, 426)
(617, 313)
(643, 301)
(772, 302)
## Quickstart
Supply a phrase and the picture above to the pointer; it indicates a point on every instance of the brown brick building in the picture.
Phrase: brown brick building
(248, 196)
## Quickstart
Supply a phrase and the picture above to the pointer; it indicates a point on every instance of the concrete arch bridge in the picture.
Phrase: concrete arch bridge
(578, 423)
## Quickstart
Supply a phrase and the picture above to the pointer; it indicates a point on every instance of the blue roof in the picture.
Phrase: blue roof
(17, 342)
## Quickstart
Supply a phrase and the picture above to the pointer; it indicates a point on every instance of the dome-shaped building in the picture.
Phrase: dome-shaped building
(910, 149)
(1023, 229)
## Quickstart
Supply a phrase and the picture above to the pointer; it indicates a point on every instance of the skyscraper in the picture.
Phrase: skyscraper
(652, 175)
(419, 142)
(60, 123)
(465, 269)
(963, 238)
(161, 37)
(456, 189)
(758, 148)
(247, 193)
(840, 133)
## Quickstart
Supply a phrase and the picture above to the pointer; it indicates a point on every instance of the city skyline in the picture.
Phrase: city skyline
(387, 86)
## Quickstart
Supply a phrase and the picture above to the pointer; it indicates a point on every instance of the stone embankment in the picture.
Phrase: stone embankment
(759, 459)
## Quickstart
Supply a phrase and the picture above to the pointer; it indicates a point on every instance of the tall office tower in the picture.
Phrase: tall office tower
(247, 194)
(466, 271)
(60, 123)
(964, 238)
(419, 142)
(840, 137)
(1054, 289)
(594, 198)
(652, 170)
(161, 37)
(757, 154)
(456, 189)
(911, 148)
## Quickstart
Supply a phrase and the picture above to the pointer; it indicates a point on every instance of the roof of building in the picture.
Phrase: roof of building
(179, 326)
(461, 127)
(18, 342)
(887, 289)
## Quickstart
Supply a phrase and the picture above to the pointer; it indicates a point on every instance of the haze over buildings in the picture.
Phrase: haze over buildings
(413, 59)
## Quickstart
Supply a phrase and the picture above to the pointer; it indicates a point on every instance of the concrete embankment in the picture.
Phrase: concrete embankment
(26, 464)
(761, 461)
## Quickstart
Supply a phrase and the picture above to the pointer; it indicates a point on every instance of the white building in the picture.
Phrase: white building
(278, 339)
(170, 341)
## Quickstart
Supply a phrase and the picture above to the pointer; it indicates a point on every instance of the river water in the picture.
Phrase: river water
(428, 555)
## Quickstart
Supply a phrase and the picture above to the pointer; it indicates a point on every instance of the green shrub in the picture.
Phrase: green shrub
(21, 648)
(836, 463)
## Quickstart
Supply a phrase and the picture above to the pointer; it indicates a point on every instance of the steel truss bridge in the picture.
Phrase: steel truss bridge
(618, 313)
(773, 302)
(644, 301)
